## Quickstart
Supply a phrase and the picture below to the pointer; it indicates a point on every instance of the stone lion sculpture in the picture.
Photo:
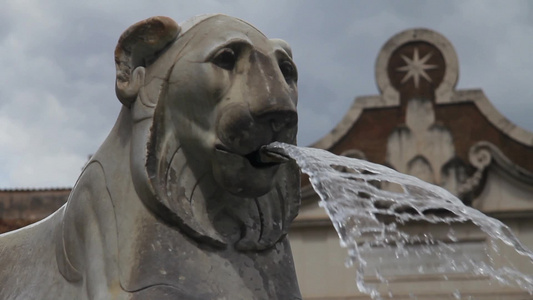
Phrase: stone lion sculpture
(180, 202)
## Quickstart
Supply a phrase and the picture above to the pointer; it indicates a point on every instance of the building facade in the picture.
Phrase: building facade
(421, 125)
(21, 207)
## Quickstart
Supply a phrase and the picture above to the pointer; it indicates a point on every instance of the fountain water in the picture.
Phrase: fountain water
(369, 205)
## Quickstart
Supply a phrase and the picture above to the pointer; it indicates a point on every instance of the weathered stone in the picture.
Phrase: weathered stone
(177, 203)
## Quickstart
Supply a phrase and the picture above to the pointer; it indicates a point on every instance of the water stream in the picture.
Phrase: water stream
(370, 207)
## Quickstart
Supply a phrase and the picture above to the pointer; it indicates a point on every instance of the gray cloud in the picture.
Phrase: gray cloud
(57, 99)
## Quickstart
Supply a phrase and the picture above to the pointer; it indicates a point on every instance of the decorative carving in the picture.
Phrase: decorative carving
(416, 68)
(424, 148)
(179, 202)
(421, 69)
(481, 156)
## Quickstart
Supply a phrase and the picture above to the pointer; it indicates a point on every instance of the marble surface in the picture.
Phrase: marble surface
(179, 202)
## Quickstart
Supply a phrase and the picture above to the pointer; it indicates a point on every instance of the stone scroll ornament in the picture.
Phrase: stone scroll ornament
(179, 202)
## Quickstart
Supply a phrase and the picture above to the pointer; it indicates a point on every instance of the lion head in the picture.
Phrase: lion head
(204, 98)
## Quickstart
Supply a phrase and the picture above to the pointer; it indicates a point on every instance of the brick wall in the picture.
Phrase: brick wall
(19, 208)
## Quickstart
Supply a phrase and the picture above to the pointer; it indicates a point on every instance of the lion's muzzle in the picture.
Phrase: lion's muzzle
(243, 130)
(240, 166)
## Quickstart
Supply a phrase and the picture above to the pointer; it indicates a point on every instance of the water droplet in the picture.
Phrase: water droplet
(457, 294)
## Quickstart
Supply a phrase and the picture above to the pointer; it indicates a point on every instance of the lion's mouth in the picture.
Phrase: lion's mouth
(263, 158)
(259, 159)
(246, 175)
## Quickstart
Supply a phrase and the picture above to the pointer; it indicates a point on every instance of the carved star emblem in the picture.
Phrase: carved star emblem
(416, 67)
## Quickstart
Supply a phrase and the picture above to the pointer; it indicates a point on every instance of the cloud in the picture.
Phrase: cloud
(57, 101)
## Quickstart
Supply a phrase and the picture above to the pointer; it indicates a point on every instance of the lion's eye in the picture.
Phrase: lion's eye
(225, 58)
(288, 70)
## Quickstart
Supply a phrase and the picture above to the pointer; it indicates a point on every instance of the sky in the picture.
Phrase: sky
(57, 97)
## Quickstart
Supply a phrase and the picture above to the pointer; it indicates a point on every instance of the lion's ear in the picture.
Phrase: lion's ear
(137, 47)
(284, 45)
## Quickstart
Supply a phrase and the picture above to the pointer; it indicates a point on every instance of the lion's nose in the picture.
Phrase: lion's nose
(280, 120)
